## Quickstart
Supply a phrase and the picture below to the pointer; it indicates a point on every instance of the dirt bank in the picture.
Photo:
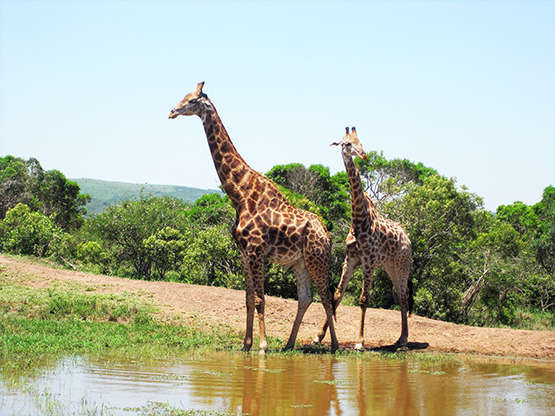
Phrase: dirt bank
(217, 305)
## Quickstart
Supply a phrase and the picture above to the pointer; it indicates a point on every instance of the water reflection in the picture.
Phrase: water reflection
(276, 385)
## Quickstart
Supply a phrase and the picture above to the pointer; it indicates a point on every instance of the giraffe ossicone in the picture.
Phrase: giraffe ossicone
(267, 227)
(373, 241)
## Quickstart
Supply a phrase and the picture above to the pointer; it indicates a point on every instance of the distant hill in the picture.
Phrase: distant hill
(106, 193)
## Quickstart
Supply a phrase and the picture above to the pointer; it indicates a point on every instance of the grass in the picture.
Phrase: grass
(163, 409)
(69, 318)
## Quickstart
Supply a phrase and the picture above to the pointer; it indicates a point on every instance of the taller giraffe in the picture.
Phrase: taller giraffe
(373, 241)
(267, 228)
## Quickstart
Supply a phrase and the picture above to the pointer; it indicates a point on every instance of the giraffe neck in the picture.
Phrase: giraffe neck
(234, 173)
(360, 206)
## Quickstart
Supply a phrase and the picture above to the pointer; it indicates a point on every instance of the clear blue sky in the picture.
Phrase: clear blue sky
(465, 87)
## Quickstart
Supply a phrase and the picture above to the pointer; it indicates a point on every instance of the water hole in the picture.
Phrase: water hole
(237, 383)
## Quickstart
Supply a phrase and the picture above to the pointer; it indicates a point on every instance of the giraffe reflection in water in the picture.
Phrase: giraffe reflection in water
(316, 385)
(290, 385)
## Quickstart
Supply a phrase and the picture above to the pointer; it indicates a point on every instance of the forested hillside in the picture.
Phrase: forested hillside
(469, 265)
(106, 193)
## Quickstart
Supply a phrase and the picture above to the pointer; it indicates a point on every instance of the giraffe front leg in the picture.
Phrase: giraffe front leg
(257, 268)
(254, 288)
(368, 272)
(249, 290)
(247, 343)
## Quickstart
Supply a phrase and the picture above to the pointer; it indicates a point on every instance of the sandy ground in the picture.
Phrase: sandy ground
(215, 305)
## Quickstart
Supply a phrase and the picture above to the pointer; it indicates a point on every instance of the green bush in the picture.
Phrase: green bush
(26, 232)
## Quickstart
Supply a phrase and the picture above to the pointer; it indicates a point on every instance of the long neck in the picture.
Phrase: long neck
(363, 212)
(233, 171)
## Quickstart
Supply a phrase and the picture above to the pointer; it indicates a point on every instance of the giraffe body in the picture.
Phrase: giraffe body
(373, 241)
(267, 227)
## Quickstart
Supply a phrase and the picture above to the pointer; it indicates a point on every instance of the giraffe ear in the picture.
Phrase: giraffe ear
(336, 144)
(208, 106)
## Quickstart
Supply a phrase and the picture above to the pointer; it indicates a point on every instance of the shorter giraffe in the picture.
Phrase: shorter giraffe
(373, 241)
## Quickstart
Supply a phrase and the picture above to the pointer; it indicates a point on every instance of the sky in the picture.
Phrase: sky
(464, 87)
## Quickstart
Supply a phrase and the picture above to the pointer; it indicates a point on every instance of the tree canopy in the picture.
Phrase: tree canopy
(49, 192)
(469, 265)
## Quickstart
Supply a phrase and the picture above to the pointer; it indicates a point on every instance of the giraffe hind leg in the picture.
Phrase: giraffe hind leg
(304, 295)
(350, 263)
(321, 279)
(399, 277)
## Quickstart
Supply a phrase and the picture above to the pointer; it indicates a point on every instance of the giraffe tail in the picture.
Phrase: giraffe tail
(333, 305)
(411, 296)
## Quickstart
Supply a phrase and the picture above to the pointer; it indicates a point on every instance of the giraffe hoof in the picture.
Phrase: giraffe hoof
(401, 345)
(359, 346)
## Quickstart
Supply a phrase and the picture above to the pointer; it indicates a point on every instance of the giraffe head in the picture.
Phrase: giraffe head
(194, 103)
(350, 145)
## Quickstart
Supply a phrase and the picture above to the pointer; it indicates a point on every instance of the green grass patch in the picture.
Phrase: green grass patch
(74, 319)
(164, 409)
(24, 337)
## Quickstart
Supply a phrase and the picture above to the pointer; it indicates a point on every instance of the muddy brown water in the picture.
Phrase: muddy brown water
(236, 383)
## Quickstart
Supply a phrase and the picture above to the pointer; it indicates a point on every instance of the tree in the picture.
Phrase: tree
(125, 227)
(26, 232)
(25, 181)
(298, 180)
(165, 249)
(523, 218)
(212, 259)
(493, 267)
(389, 180)
(212, 209)
(327, 194)
(536, 227)
(13, 184)
(544, 244)
(62, 199)
(440, 222)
